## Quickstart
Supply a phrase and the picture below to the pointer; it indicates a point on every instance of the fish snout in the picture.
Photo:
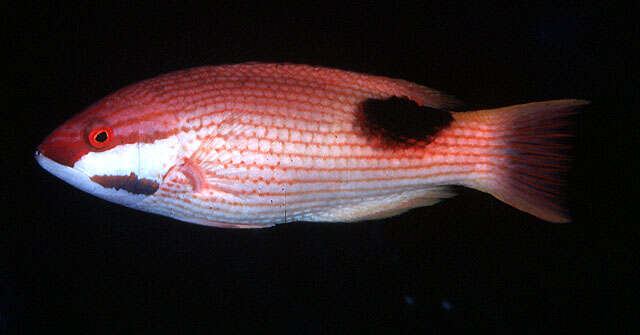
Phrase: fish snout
(62, 148)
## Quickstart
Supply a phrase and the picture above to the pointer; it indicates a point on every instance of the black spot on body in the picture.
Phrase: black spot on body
(129, 183)
(401, 122)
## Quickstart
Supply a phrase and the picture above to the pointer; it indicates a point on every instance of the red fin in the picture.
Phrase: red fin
(195, 176)
(532, 178)
(425, 96)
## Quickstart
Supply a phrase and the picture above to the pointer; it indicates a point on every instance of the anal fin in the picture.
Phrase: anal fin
(384, 206)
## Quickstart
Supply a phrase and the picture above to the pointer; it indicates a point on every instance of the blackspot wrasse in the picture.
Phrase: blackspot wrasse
(253, 145)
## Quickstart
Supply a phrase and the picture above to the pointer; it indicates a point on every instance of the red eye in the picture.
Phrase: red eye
(101, 137)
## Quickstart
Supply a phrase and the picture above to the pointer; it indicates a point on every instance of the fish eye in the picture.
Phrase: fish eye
(101, 137)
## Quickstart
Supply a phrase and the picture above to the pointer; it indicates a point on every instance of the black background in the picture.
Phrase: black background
(71, 261)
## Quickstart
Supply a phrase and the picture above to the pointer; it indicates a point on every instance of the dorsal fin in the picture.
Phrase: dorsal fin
(425, 96)
(400, 121)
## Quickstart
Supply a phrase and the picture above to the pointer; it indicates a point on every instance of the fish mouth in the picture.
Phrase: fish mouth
(84, 182)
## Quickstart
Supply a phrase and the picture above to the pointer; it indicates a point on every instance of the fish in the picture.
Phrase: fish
(253, 145)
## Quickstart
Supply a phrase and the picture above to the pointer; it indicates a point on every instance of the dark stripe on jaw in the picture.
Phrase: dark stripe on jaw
(129, 183)
(401, 122)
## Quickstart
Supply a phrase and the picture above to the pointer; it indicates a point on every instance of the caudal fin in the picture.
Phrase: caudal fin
(531, 155)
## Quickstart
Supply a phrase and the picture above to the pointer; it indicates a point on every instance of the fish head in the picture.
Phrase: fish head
(117, 149)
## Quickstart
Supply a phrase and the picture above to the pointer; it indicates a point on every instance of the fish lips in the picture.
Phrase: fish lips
(82, 181)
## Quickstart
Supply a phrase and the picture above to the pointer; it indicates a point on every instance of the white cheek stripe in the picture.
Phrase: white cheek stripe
(80, 180)
(147, 160)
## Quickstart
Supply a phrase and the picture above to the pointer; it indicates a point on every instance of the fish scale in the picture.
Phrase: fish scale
(324, 183)
(252, 145)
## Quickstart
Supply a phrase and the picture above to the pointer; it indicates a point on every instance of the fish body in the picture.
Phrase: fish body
(254, 145)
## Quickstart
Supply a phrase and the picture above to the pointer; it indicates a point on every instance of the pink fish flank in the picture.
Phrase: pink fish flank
(253, 145)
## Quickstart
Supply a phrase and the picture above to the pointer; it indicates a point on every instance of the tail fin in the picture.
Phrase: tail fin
(532, 155)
